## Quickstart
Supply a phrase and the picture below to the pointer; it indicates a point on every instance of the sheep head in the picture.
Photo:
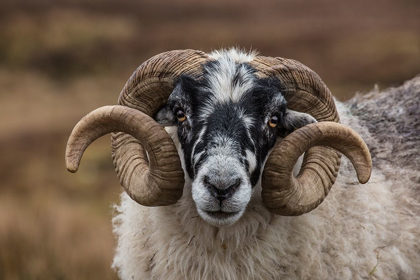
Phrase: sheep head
(231, 110)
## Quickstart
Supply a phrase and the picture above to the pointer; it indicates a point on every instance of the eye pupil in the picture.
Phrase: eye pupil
(180, 115)
(273, 121)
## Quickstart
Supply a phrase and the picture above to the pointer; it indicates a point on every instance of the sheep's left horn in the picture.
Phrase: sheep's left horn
(155, 184)
(284, 194)
(304, 92)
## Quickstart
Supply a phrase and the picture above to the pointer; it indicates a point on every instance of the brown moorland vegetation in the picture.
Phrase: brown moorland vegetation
(61, 59)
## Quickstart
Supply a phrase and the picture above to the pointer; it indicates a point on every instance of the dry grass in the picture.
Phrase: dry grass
(53, 239)
(61, 59)
(53, 224)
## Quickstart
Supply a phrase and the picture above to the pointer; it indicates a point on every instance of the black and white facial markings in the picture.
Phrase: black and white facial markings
(228, 120)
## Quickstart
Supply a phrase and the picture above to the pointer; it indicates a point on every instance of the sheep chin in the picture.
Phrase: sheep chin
(220, 218)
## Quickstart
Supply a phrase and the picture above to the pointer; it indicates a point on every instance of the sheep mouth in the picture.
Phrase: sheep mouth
(221, 215)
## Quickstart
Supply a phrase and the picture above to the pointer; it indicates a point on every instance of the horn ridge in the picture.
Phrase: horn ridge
(147, 90)
(154, 182)
(284, 194)
(305, 92)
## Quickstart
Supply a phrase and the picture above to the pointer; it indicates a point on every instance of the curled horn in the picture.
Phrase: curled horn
(154, 178)
(306, 92)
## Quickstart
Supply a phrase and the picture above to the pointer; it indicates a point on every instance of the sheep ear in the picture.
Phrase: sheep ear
(184, 88)
(293, 120)
(165, 116)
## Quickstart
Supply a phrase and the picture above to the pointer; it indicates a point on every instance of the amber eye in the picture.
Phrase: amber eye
(181, 115)
(273, 121)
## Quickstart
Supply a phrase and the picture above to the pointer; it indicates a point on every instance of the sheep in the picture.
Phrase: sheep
(356, 232)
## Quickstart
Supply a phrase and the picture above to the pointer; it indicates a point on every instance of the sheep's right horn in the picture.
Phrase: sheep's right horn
(147, 90)
(158, 183)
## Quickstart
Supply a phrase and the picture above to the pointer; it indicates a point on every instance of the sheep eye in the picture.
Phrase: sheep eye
(181, 115)
(273, 121)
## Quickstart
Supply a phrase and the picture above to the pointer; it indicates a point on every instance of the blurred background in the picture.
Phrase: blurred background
(60, 59)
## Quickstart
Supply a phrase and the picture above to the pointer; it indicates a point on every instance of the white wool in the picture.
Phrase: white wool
(220, 80)
(234, 54)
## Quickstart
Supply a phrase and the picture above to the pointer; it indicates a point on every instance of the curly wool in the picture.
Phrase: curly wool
(359, 232)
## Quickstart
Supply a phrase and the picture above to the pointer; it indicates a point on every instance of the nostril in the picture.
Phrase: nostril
(211, 188)
(206, 180)
(236, 184)
(219, 191)
(232, 188)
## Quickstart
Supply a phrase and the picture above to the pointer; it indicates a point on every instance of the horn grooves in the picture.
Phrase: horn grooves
(305, 92)
(284, 194)
(151, 84)
(303, 88)
(155, 181)
(147, 90)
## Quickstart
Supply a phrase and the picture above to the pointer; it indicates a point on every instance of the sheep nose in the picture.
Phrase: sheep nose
(222, 189)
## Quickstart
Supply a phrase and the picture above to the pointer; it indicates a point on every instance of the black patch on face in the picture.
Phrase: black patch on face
(225, 126)
(262, 102)
(226, 120)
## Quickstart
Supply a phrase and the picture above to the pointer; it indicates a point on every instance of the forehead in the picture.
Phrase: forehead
(228, 81)
(229, 76)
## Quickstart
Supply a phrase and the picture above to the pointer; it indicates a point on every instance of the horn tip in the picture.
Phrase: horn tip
(71, 170)
(364, 176)
(72, 167)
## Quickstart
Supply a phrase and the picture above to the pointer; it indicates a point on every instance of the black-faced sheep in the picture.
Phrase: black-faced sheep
(237, 211)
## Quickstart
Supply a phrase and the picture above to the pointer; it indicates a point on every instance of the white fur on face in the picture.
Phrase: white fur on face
(222, 162)
(220, 166)
(235, 54)
(249, 122)
(220, 80)
(252, 160)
